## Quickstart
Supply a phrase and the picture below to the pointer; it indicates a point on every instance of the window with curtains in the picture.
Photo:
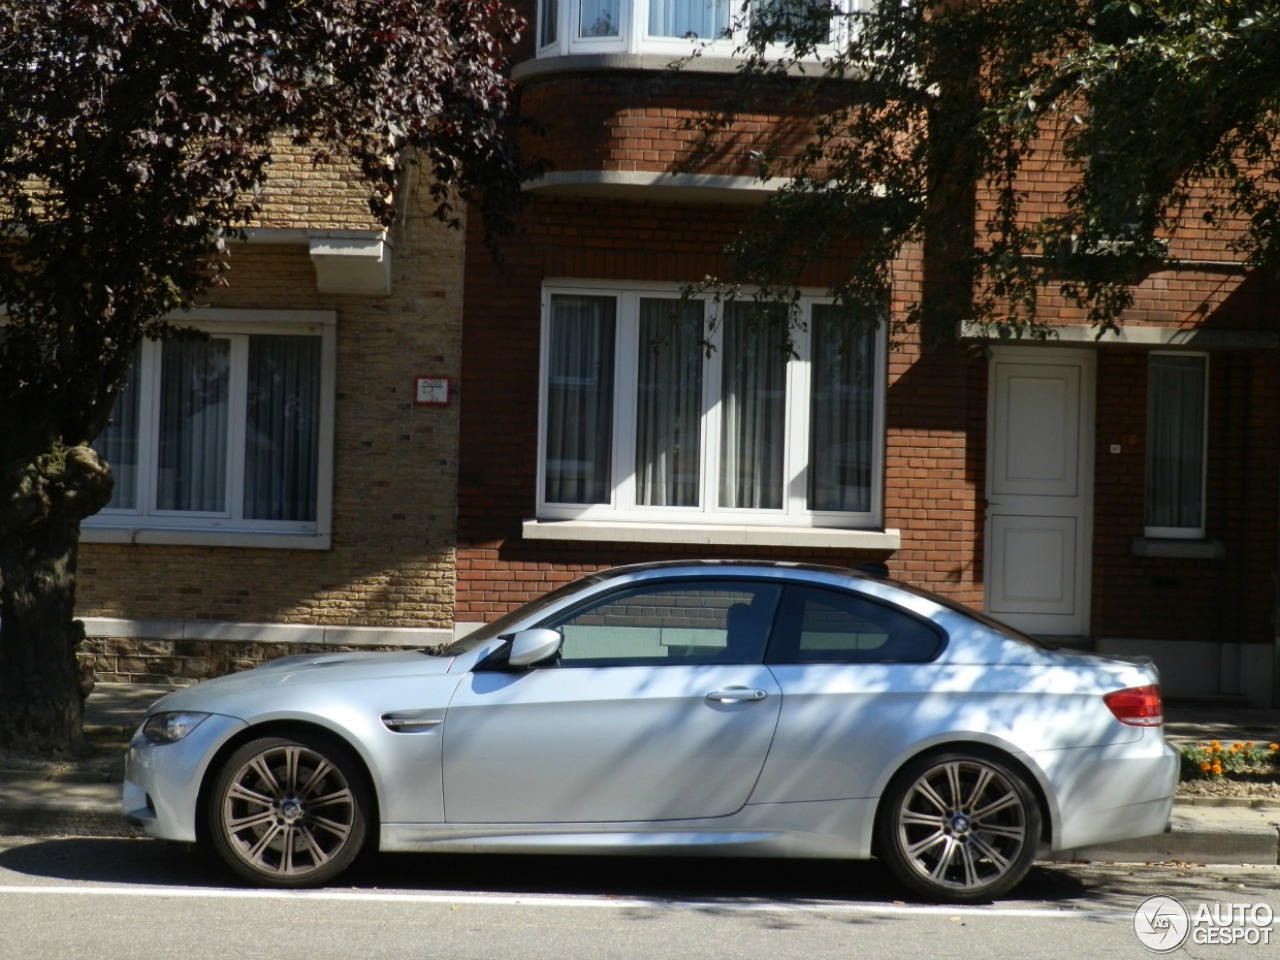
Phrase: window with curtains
(661, 408)
(226, 434)
(586, 26)
(1177, 406)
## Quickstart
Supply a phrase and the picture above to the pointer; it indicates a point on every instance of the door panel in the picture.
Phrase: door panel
(1038, 428)
(1036, 557)
(1039, 486)
(607, 744)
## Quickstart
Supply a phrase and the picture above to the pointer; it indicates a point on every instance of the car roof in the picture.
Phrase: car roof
(869, 572)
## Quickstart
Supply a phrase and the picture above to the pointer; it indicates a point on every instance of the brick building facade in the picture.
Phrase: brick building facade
(200, 595)
(1018, 478)
(1041, 481)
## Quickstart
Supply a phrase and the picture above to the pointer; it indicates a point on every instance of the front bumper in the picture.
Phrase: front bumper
(162, 781)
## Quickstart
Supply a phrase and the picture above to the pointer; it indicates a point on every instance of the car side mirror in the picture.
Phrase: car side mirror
(530, 647)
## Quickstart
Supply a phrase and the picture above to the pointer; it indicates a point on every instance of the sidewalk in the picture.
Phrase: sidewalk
(1206, 830)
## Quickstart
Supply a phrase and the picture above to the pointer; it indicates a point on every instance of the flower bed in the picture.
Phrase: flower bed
(1246, 761)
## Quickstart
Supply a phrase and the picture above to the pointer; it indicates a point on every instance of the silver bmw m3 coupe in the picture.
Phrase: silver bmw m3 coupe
(720, 708)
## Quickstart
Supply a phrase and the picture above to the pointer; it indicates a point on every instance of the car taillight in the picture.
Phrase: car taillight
(1137, 706)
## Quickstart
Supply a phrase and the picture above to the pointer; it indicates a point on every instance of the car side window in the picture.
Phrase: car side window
(831, 626)
(670, 623)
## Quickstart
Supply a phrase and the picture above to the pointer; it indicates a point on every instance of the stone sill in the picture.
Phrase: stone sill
(1167, 549)
(715, 534)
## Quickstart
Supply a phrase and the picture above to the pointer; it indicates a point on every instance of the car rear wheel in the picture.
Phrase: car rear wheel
(289, 812)
(959, 827)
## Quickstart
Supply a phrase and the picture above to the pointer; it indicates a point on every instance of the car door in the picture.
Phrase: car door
(658, 707)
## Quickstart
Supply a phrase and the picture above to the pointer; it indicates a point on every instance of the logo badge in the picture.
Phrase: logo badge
(1161, 924)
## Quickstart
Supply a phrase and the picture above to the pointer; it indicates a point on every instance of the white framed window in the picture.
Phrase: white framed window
(659, 408)
(663, 26)
(1177, 416)
(227, 438)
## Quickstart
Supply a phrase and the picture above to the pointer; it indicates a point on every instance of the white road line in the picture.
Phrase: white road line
(608, 903)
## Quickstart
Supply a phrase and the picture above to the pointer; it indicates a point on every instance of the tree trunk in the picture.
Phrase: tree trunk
(41, 707)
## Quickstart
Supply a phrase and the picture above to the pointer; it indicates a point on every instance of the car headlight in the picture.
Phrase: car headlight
(171, 727)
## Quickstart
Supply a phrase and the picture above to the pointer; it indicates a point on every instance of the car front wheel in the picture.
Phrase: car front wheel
(288, 812)
(959, 828)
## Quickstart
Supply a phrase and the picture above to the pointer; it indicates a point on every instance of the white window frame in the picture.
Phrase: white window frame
(633, 34)
(1182, 533)
(145, 523)
(622, 505)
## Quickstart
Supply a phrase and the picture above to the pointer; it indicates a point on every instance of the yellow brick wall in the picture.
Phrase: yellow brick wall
(301, 194)
(391, 563)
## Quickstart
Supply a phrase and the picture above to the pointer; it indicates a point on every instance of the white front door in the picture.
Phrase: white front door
(1039, 489)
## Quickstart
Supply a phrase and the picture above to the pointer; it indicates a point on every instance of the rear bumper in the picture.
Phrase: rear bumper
(1106, 794)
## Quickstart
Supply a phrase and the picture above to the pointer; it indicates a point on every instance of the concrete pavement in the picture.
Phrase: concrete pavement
(1204, 830)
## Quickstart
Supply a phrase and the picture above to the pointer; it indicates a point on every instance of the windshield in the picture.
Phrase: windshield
(507, 622)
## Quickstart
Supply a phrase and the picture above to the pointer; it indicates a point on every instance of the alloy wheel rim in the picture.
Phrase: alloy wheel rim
(963, 824)
(288, 811)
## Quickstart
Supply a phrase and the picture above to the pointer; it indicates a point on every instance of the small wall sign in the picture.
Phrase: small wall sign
(431, 391)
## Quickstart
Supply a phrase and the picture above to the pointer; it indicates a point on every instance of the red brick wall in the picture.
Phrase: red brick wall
(629, 121)
(935, 402)
(935, 419)
(935, 410)
(1228, 598)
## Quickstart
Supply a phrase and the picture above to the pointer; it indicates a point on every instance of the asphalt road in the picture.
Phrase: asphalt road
(115, 899)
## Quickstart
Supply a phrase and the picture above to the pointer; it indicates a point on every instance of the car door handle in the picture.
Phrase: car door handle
(736, 694)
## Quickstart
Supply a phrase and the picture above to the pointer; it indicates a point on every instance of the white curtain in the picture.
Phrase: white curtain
(669, 404)
(282, 436)
(753, 409)
(579, 424)
(840, 417)
(1175, 441)
(118, 443)
(549, 19)
(193, 426)
(706, 19)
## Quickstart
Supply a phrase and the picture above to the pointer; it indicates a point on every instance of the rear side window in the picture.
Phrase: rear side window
(829, 626)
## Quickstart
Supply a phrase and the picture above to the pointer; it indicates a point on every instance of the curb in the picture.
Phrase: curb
(65, 820)
(1200, 833)
(68, 816)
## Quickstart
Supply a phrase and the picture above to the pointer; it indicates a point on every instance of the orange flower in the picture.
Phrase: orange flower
(1217, 769)
(1275, 746)
(1205, 767)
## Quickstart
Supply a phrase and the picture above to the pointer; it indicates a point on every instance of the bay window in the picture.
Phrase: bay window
(706, 19)
(225, 438)
(637, 26)
(669, 409)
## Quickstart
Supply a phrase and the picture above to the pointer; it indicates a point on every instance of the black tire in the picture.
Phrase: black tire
(959, 827)
(289, 811)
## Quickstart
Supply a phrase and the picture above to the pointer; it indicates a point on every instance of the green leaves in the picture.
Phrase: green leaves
(1051, 144)
(134, 134)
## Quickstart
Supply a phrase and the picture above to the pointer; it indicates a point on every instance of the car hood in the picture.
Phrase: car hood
(307, 670)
